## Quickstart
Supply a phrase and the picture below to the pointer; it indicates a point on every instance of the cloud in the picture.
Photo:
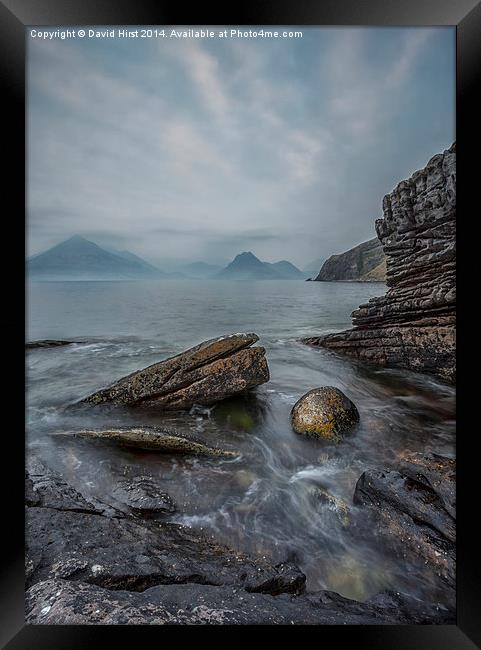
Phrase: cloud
(197, 149)
(414, 43)
(364, 96)
(204, 71)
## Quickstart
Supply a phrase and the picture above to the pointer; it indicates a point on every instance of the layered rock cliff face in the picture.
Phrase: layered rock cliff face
(365, 262)
(413, 325)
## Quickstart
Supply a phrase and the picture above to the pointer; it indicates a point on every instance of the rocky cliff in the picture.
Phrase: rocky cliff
(365, 262)
(413, 325)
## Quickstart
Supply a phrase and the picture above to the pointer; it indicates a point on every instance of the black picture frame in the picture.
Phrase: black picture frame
(15, 15)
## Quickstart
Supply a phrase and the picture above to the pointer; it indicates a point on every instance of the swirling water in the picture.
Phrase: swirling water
(284, 497)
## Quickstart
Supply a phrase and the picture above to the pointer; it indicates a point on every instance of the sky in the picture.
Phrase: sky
(198, 149)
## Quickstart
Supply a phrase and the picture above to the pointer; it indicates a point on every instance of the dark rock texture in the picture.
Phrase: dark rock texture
(365, 262)
(413, 325)
(122, 553)
(70, 538)
(415, 509)
(58, 601)
(47, 343)
(205, 374)
(143, 495)
(44, 489)
(324, 413)
(87, 563)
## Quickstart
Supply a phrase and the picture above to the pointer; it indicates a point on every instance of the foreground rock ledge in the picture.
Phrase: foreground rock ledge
(413, 325)
(204, 374)
(70, 538)
(60, 602)
(87, 563)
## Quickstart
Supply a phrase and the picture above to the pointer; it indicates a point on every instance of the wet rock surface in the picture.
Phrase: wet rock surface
(88, 563)
(414, 509)
(143, 495)
(324, 413)
(45, 489)
(59, 601)
(47, 343)
(413, 325)
(151, 439)
(204, 374)
(118, 552)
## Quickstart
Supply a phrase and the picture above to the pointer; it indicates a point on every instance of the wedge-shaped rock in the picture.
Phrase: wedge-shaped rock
(205, 374)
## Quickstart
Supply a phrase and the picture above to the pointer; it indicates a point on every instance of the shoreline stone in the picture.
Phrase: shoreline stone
(324, 413)
(414, 509)
(151, 439)
(203, 375)
(47, 343)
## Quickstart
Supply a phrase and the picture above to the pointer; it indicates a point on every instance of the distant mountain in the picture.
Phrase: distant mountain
(246, 266)
(201, 270)
(288, 270)
(363, 263)
(78, 258)
(127, 255)
(150, 267)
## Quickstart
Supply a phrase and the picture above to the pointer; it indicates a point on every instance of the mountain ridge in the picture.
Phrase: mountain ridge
(80, 258)
(365, 262)
(246, 266)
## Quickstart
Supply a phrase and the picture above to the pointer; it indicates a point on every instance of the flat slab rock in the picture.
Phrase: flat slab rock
(414, 506)
(204, 374)
(47, 343)
(60, 602)
(152, 439)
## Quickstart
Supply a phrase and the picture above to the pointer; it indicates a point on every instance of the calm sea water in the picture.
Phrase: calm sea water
(285, 497)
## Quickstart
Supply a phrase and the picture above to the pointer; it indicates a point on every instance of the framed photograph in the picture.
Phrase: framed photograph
(236, 237)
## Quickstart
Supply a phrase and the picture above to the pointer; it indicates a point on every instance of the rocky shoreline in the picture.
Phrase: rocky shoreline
(89, 563)
(120, 560)
(414, 325)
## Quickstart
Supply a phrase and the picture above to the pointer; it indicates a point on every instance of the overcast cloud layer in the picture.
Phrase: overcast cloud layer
(198, 150)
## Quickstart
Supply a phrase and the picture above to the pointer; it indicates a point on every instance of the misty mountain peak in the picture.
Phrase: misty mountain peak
(247, 257)
(246, 266)
(79, 258)
(77, 239)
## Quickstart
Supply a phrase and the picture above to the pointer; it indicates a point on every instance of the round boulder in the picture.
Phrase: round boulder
(324, 413)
